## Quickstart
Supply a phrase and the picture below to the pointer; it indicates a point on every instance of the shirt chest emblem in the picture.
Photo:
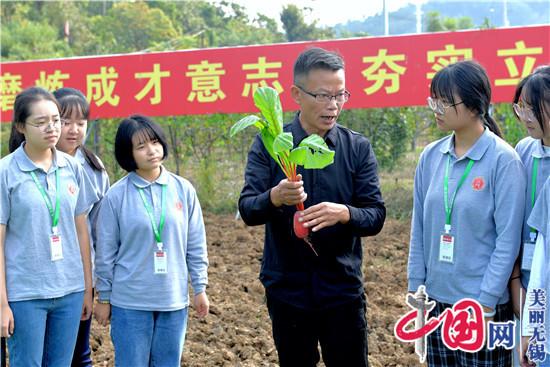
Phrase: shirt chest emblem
(179, 206)
(478, 183)
(71, 189)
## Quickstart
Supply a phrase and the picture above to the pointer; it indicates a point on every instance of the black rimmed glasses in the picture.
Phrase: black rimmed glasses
(326, 98)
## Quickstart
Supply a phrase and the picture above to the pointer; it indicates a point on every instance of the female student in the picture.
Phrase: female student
(75, 112)
(152, 240)
(45, 270)
(534, 151)
(468, 210)
(532, 106)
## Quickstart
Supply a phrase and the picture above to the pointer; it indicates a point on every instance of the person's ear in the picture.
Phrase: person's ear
(295, 94)
(20, 127)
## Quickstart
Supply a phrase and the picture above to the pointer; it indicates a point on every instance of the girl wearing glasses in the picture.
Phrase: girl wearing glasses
(532, 107)
(45, 270)
(75, 112)
(469, 195)
(152, 242)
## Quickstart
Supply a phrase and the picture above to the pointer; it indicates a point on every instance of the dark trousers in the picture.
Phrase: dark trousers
(341, 331)
(82, 356)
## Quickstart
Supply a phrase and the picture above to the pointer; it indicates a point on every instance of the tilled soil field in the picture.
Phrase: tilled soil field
(238, 331)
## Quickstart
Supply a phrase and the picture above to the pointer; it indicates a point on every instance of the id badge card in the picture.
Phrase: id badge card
(56, 250)
(446, 248)
(161, 265)
(527, 258)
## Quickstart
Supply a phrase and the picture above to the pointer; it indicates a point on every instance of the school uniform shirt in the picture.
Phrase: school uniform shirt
(30, 273)
(486, 221)
(99, 181)
(126, 244)
(528, 149)
(540, 270)
(99, 184)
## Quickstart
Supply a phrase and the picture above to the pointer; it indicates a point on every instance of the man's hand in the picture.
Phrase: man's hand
(325, 214)
(288, 192)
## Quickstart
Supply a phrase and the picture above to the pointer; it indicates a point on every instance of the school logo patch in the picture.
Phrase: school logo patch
(478, 184)
(179, 206)
(71, 188)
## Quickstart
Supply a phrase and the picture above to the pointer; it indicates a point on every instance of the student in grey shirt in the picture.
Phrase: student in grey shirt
(152, 240)
(75, 111)
(540, 279)
(532, 107)
(45, 270)
(534, 151)
(469, 196)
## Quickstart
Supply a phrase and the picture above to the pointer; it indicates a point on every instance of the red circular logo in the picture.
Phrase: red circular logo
(72, 189)
(478, 183)
(179, 205)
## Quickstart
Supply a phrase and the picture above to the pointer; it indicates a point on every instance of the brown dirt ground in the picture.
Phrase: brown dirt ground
(238, 331)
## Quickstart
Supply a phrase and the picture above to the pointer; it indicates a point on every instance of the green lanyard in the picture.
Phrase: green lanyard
(534, 191)
(54, 213)
(156, 230)
(449, 207)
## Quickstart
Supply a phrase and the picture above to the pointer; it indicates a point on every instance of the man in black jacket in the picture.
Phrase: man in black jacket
(316, 299)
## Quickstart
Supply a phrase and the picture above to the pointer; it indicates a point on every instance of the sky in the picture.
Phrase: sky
(327, 12)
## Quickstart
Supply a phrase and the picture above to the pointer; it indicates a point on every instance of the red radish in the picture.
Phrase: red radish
(299, 230)
(302, 232)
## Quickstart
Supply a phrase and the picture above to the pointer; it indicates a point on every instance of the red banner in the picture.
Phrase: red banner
(380, 72)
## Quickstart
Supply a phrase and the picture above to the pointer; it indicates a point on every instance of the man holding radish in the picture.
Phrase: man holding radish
(314, 297)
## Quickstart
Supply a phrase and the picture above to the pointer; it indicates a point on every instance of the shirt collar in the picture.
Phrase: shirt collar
(140, 182)
(26, 165)
(539, 151)
(475, 152)
(79, 156)
(299, 134)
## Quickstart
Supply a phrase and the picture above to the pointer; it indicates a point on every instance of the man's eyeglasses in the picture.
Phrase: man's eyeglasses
(439, 107)
(523, 112)
(54, 124)
(326, 98)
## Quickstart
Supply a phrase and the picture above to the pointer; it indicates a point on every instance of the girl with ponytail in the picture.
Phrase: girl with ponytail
(469, 193)
(75, 112)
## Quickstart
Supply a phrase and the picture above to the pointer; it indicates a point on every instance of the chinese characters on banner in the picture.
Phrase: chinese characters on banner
(380, 72)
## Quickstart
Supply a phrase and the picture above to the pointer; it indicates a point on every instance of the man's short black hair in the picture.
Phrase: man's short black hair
(316, 58)
(146, 130)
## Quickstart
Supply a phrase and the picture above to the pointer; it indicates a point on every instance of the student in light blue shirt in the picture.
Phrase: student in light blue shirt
(540, 273)
(45, 270)
(151, 244)
(75, 111)
(469, 195)
(531, 106)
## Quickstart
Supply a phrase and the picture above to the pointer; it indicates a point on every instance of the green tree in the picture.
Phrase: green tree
(131, 27)
(296, 28)
(434, 23)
